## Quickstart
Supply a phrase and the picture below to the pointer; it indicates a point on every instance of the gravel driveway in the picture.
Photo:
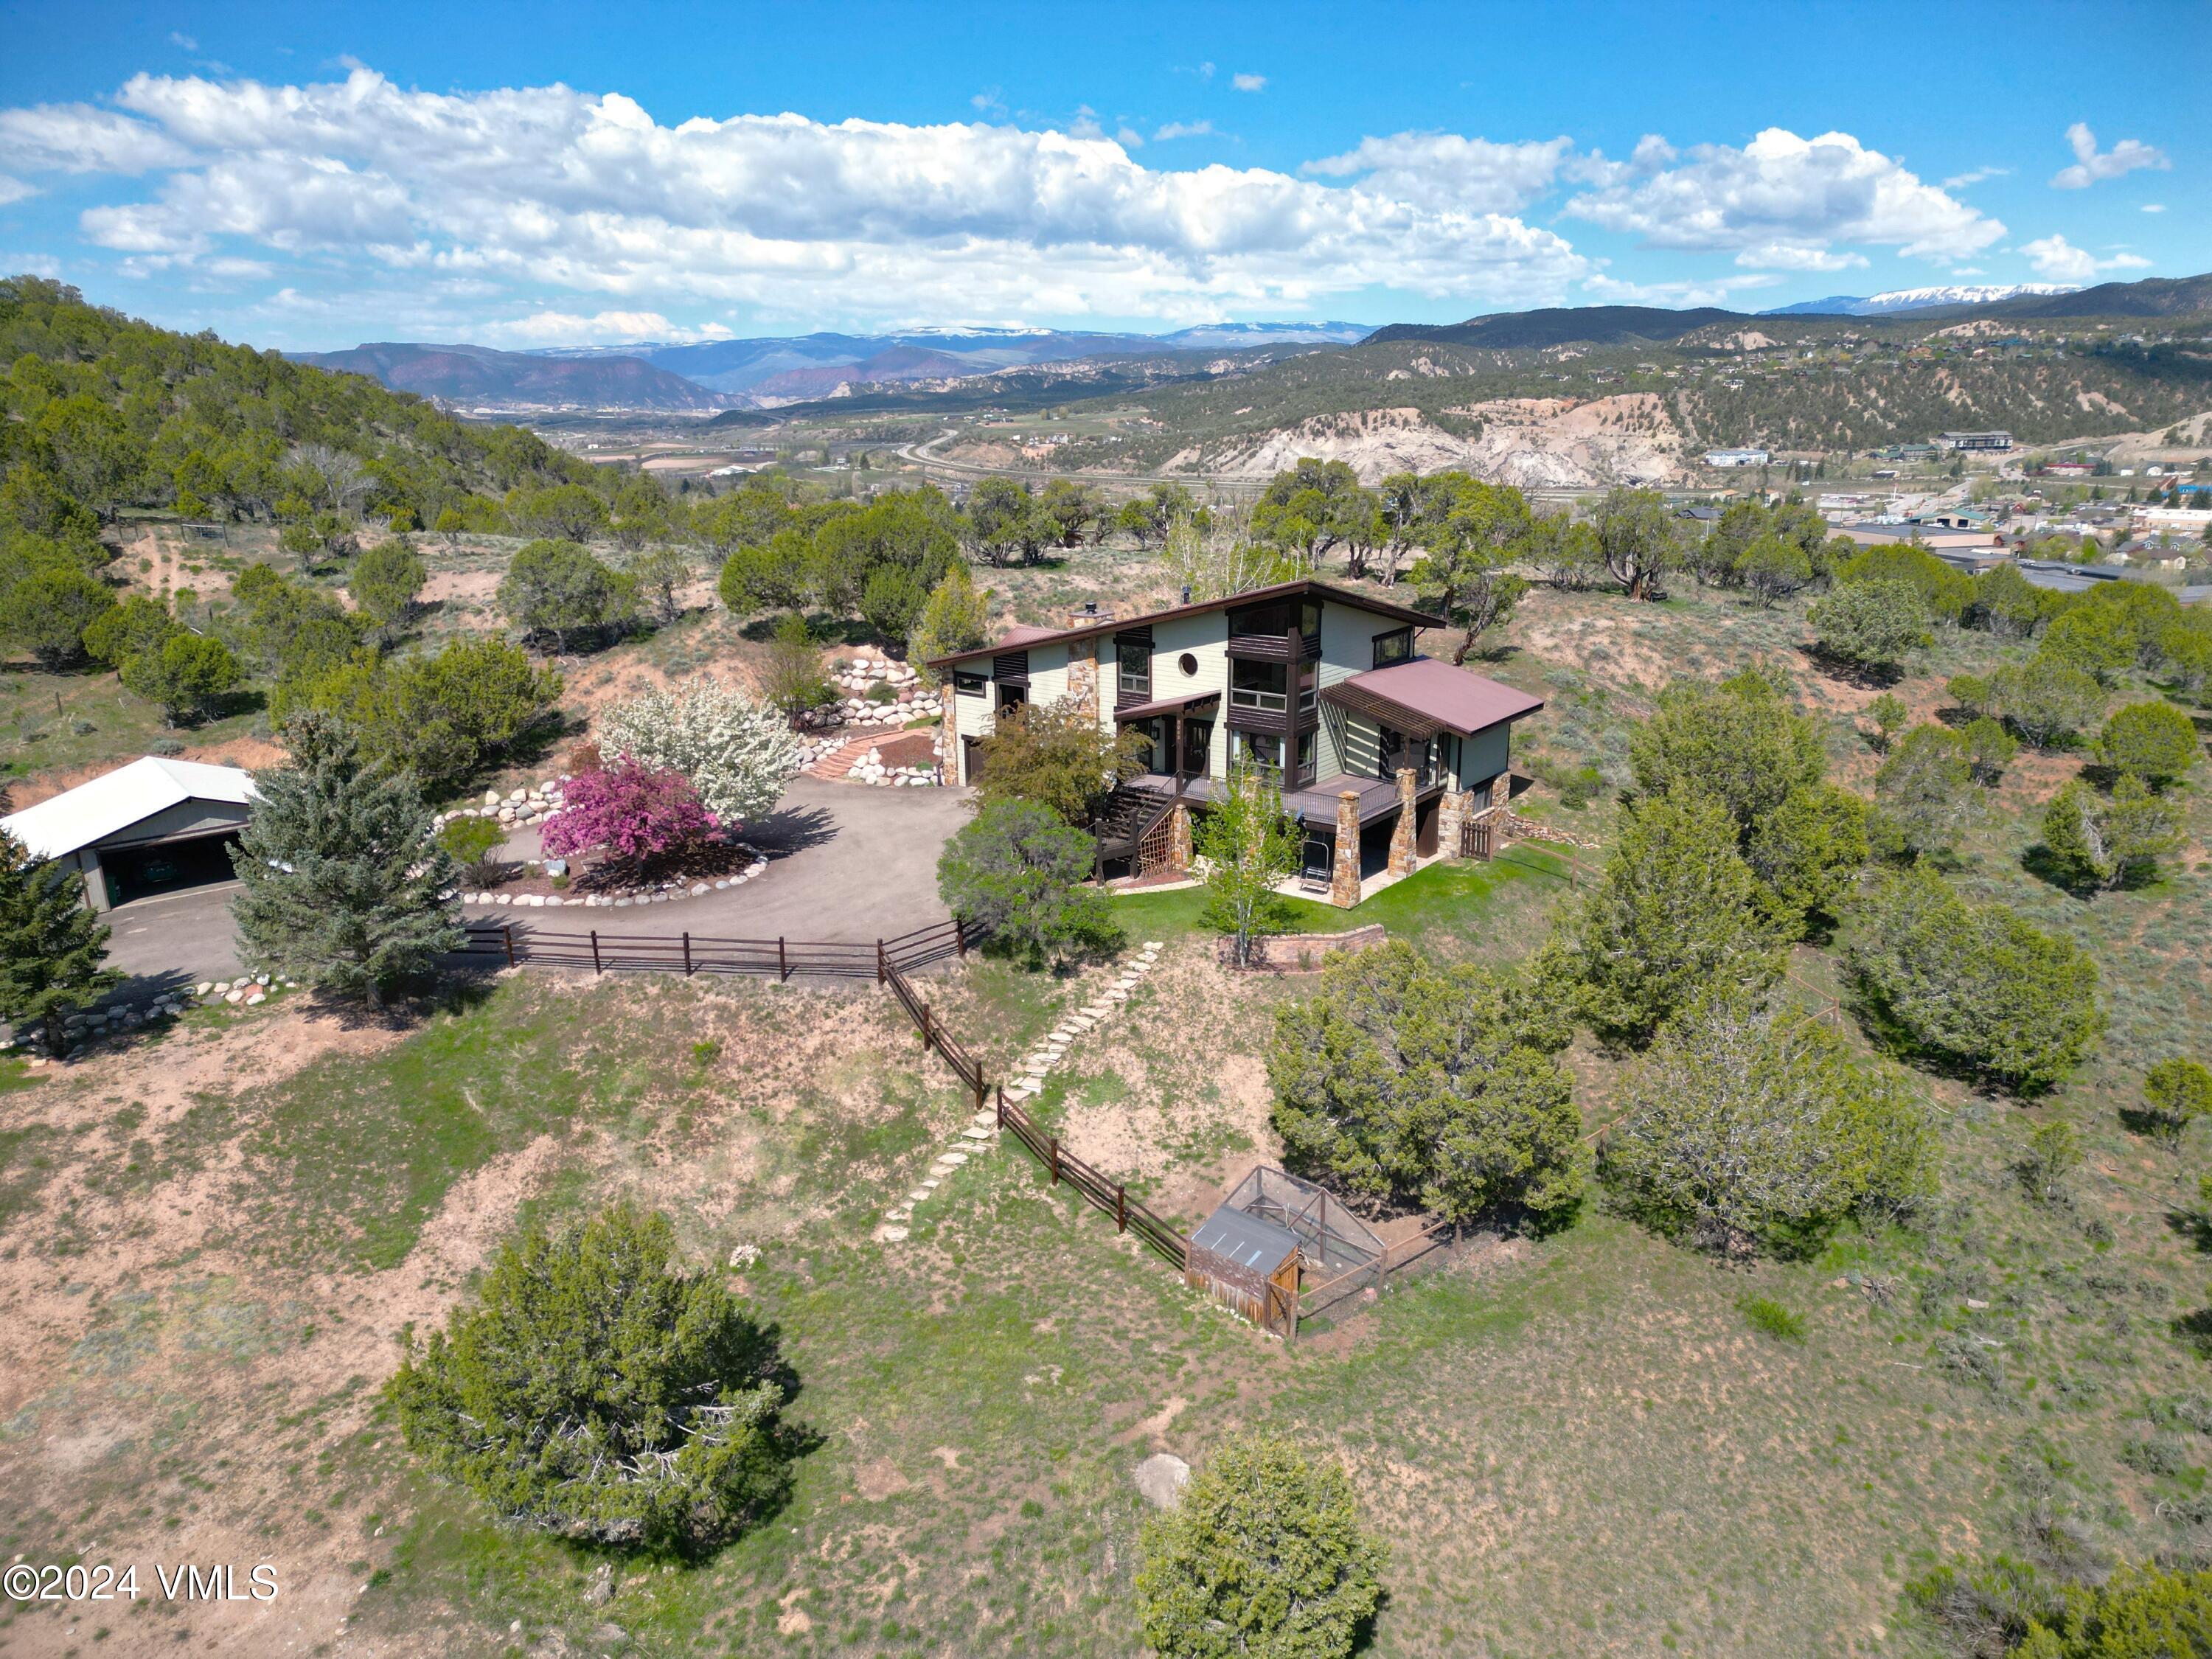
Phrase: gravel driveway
(846, 863)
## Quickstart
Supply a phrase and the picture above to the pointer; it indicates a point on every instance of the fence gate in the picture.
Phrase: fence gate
(1278, 1312)
(1475, 837)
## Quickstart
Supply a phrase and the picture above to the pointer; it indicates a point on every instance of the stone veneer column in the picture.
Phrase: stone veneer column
(1179, 852)
(1451, 821)
(948, 736)
(1082, 677)
(1401, 835)
(1344, 871)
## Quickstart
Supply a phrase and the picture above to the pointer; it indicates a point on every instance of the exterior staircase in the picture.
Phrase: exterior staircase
(1128, 816)
(847, 755)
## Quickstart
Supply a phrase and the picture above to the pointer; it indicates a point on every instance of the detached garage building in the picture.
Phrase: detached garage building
(150, 827)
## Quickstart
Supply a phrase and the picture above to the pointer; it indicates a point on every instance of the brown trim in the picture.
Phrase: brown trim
(1303, 586)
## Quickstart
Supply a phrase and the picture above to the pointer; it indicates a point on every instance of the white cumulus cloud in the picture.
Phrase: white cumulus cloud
(1248, 82)
(14, 189)
(1784, 193)
(1175, 129)
(1443, 170)
(560, 328)
(551, 188)
(2091, 164)
(2054, 256)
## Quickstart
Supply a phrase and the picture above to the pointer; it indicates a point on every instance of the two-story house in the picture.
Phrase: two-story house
(1385, 755)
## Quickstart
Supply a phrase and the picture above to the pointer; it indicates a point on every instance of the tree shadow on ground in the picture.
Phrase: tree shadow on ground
(791, 829)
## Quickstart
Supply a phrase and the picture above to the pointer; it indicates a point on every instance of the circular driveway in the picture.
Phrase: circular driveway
(846, 862)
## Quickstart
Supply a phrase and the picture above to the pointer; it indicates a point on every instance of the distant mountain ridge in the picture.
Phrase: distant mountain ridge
(745, 367)
(1916, 299)
(471, 374)
(1523, 331)
(766, 372)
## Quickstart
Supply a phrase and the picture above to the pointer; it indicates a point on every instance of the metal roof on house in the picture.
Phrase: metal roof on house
(1425, 695)
(1245, 1239)
(1028, 635)
(115, 800)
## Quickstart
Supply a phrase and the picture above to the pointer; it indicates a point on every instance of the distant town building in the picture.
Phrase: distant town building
(1979, 440)
(1737, 458)
(2182, 520)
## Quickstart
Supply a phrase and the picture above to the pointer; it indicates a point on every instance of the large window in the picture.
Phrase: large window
(1305, 757)
(1261, 748)
(1444, 758)
(1135, 664)
(965, 684)
(1397, 646)
(1259, 685)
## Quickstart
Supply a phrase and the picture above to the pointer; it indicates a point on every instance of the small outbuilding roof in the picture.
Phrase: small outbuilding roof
(1246, 1240)
(115, 800)
(1426, 695)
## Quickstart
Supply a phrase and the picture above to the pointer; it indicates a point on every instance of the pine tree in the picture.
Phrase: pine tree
(50, 945)
(345, 888)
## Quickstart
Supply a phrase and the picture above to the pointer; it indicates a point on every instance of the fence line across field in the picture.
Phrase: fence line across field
(886, 961)
(691, 953)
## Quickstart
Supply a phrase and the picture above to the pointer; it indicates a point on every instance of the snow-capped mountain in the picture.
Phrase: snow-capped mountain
(1916, 299)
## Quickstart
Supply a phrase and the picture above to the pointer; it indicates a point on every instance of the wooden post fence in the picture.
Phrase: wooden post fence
(595, 952)
(509, 931)
(687, 954)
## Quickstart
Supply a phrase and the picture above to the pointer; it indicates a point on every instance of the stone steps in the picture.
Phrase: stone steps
(982, 1131)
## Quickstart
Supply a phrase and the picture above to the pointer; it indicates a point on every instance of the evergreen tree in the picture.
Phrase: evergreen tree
(1407, 1080)
(51, 943)
(601, 1391)
(1746, 1125)
(2105, 841)
(1973, 983)
(1924, 793)
(1739, 742)
(1677, 912)
(1262, 1557)
(1806, 852)
(345, 887)
(2155, 740)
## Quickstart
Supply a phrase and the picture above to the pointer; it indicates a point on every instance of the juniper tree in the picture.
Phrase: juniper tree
(2105, 841)
(601, 1392)
(51, 943)
(346, 887)
(1874, 625)
(1262, 1556)
(1676, 910)
(2155, 740)
(1973, 984)
(1739, 742)
(1018, 872)
(1745, 1125)
(1924, 793)
(1412, 1080)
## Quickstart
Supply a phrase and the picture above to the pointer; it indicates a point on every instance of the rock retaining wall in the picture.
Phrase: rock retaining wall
(1305, 953)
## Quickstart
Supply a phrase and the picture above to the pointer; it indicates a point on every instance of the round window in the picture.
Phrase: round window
(1188, 663)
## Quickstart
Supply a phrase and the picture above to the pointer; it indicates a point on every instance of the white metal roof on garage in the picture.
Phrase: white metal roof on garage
(112, 802)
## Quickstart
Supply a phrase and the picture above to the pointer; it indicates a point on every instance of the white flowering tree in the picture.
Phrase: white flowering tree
(738, 753)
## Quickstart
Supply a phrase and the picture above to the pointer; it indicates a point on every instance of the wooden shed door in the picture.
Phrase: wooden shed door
(1279, 1313)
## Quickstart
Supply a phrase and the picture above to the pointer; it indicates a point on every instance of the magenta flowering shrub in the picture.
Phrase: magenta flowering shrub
(629, 811)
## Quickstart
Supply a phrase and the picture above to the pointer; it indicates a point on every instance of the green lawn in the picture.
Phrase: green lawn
(1446, 901)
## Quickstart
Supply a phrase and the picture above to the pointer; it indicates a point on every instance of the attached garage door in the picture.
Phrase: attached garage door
(136, 872)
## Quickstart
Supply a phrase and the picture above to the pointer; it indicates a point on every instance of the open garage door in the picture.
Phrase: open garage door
(136, 872)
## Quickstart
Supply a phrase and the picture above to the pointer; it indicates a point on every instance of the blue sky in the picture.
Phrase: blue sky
(525, 176)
